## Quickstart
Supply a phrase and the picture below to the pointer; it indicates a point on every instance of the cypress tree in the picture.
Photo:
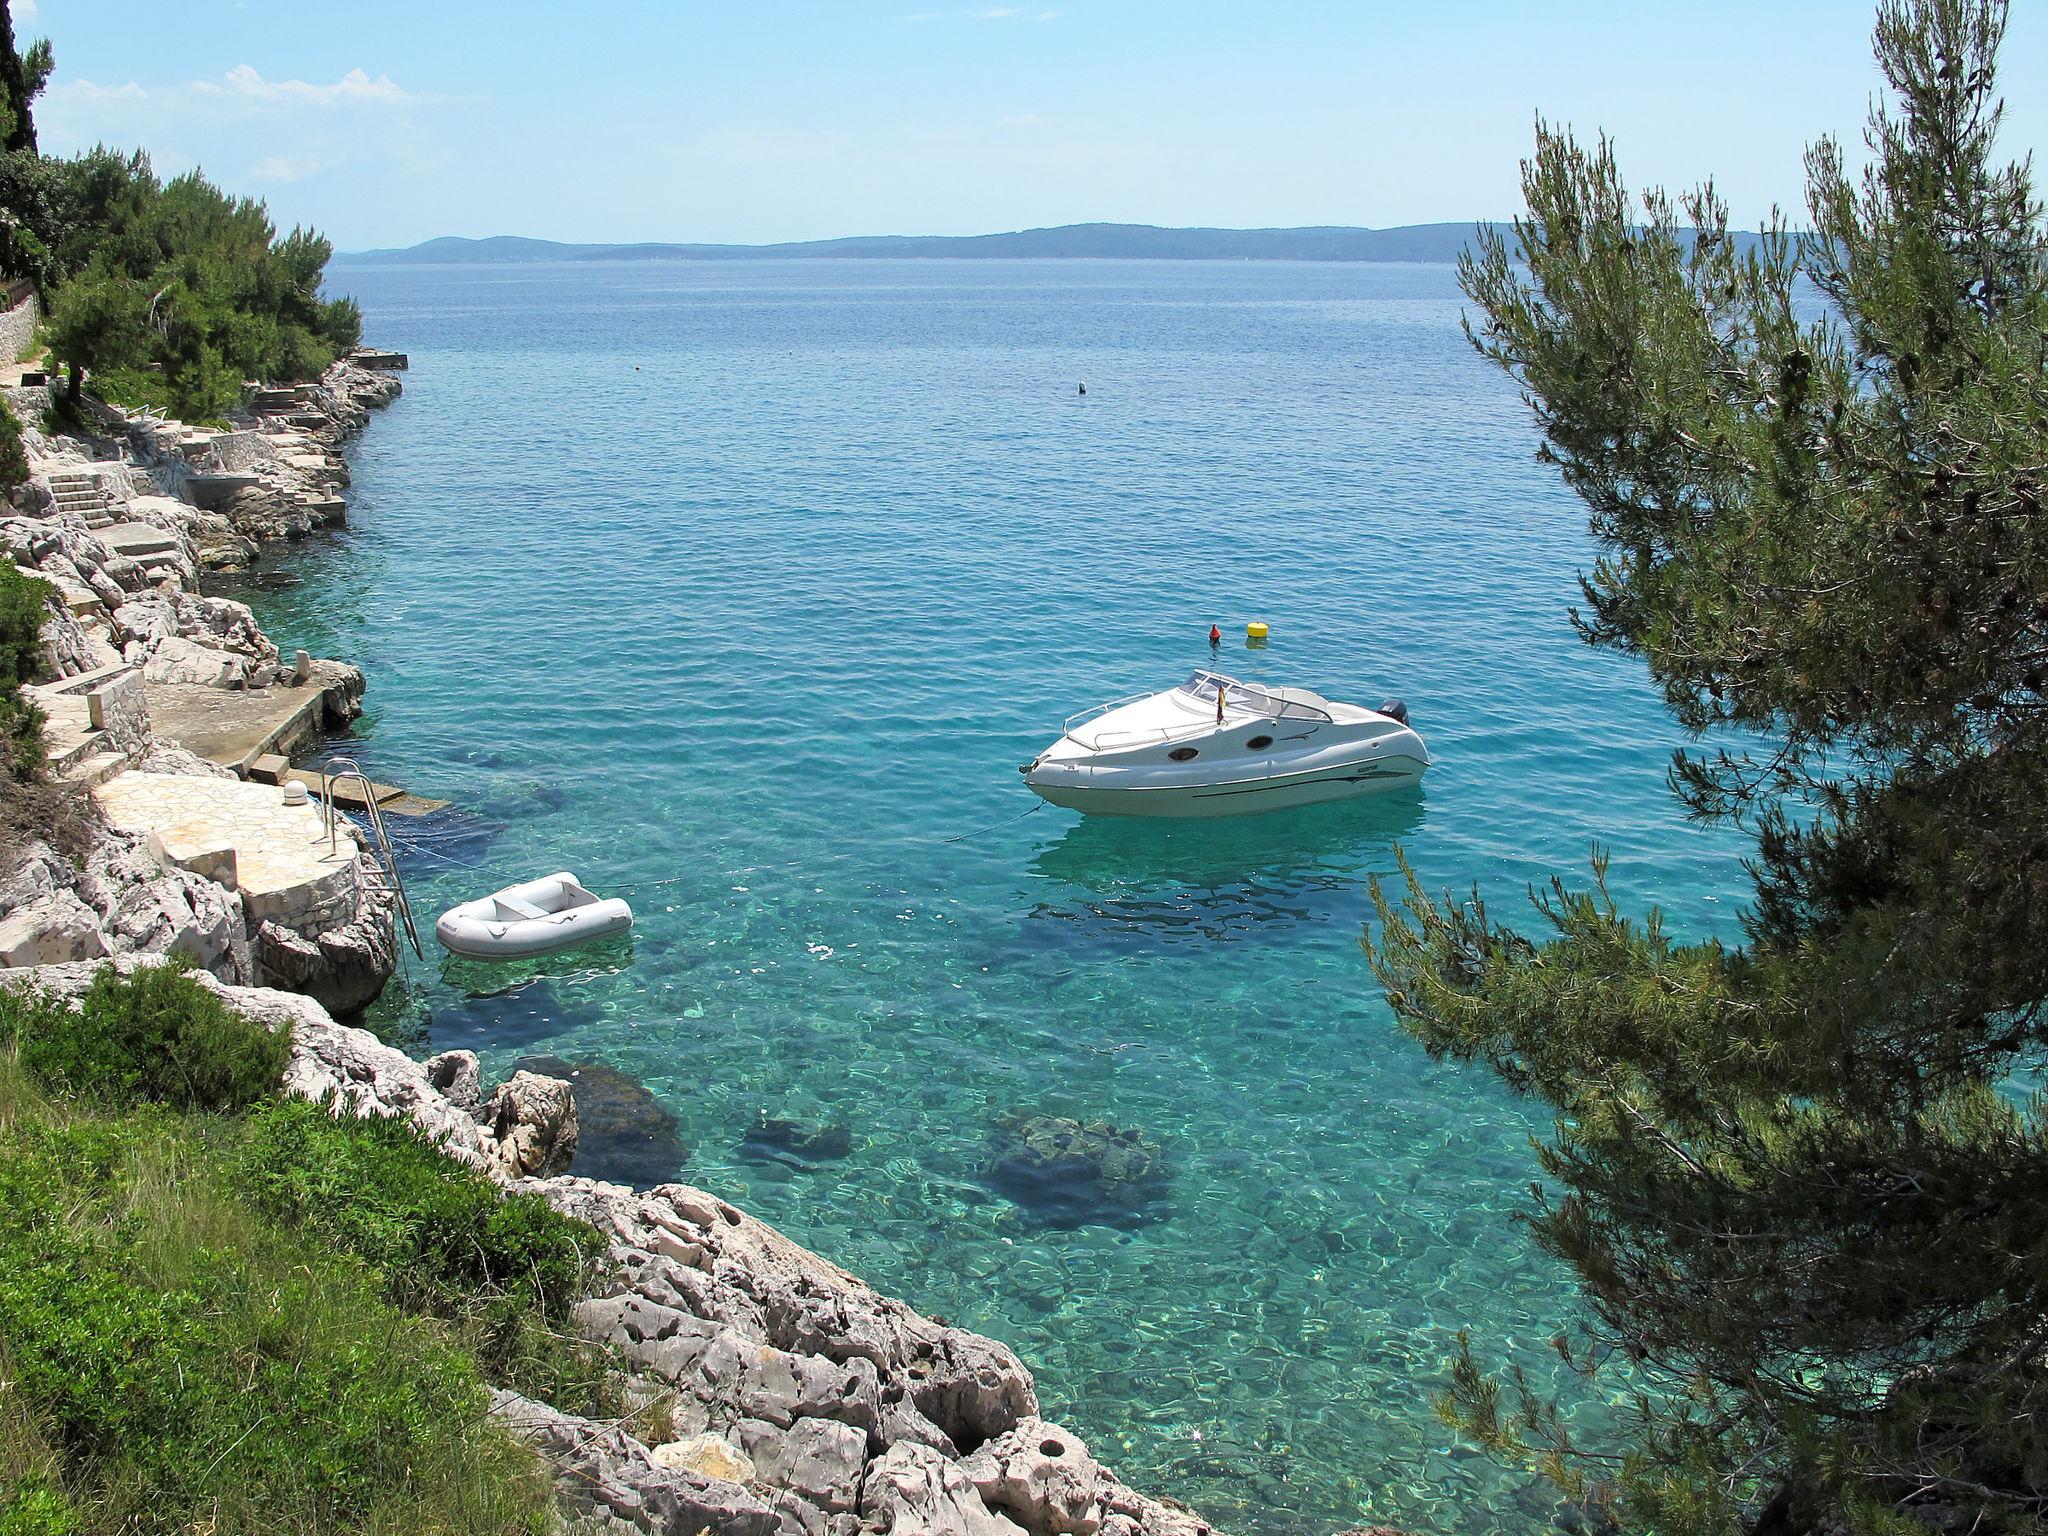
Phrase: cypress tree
(1802, 1177)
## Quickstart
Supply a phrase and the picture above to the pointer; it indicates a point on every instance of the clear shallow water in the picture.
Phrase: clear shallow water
(759, 580)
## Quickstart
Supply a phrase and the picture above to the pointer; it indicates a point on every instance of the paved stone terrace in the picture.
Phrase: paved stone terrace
(242, 835)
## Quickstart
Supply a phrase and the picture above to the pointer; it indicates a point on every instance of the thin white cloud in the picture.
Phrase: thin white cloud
(244, 89)
(356, 86)
(25, 10)
(282, 170)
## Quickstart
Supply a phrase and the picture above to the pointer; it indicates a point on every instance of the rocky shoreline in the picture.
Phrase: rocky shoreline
(800, 1401)
(120, 518)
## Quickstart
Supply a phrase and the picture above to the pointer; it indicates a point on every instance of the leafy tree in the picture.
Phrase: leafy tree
(1803, 1179)
(171, 293)
(22, 78)
(100, 319)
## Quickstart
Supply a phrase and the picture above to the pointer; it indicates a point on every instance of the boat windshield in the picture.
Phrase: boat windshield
(1278, 703)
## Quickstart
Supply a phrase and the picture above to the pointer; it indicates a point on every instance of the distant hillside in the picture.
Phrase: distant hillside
(1414, 242)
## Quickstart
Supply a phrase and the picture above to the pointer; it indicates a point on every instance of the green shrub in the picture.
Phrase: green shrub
(194, 1367)
(24, 601)
(32, 1507)
(154, 1035)
(13, 458)
(501, 1268)
(439, 1232)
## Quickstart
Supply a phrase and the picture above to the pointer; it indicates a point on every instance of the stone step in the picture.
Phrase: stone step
(97, 769)
(138, 541)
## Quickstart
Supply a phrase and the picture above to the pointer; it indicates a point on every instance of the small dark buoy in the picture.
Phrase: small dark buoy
(1215, 637)
(1084, 389)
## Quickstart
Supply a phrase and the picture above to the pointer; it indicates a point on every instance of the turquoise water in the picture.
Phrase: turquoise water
(745, 587)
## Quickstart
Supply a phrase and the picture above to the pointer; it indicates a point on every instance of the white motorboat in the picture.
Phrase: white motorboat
(535, 918)
(1216, 746)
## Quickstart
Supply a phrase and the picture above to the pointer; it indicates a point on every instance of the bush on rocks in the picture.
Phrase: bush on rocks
(444, 1238)
(23, 599)
(155, 1035)
(173, 1361)
(13, 458)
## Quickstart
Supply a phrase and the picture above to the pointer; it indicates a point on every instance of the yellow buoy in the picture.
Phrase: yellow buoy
(1256, 630)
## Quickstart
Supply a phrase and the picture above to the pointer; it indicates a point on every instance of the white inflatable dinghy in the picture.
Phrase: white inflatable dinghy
(536, 918)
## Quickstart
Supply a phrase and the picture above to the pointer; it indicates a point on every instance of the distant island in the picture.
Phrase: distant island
(1411, 242)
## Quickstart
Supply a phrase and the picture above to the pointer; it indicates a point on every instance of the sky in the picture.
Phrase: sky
(385, 122)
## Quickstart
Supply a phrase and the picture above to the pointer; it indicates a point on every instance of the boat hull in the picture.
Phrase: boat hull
(480, 929)
(1100, 794)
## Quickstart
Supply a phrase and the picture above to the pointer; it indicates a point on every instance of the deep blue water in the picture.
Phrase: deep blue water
(744, 587)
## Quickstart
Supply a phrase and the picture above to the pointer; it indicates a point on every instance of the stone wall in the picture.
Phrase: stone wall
(18, 328)
(238, 451)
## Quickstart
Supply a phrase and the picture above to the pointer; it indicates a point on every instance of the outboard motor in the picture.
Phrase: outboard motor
(1394, 709)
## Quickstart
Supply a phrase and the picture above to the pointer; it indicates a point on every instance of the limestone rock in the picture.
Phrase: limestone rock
(819, 1460)
(120, 902)
(174, 659)
(600, 1469)
(624, 1133)
(344, 967)
(534, 1121)
(711, 1455)
(912, 1490)
(1041, 1477)
(457, 1076)
(50, 930)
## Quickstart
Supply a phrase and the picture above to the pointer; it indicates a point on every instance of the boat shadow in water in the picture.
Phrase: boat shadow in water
(1123, 882)
(519, 1002)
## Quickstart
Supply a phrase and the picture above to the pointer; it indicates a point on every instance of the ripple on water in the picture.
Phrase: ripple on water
(751, 633)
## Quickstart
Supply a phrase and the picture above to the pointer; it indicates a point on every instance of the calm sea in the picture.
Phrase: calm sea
(743, 588)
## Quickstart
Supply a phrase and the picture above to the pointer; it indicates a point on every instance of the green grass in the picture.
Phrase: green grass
(223, 1311)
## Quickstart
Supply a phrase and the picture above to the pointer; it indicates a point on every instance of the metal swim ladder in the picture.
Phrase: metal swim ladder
(383, 872)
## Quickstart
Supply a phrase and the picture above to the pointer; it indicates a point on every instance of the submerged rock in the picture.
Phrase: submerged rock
(1072, 1172)
(771, 1139)
(624, 1133)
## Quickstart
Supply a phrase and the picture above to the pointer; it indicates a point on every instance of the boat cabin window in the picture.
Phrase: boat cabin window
(1259, 743)
(1184, 754)
(1278, 704)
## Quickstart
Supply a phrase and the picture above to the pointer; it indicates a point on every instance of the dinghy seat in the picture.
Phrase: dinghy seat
(512, 910)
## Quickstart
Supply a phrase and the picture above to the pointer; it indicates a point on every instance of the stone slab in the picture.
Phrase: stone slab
(136, 540)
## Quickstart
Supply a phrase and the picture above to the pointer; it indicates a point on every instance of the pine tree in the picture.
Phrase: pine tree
(1803, 1178)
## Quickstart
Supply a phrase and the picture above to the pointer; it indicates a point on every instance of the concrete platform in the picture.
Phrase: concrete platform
(244, 836)
(234, 727)
(271, 769)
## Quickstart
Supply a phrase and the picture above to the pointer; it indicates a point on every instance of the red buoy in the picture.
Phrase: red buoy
(1215, 635)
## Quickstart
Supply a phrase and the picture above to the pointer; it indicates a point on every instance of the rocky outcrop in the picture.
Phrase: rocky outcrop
(602, 1471)
(534, 1121)
(121, 544)
(124, 899)
(119, 901)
